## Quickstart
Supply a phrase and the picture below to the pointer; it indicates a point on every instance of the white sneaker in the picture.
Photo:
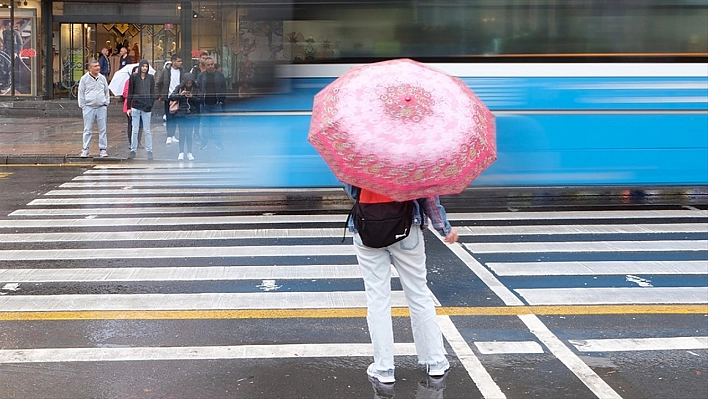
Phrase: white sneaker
(180, 156)
(103, 153)
(169, 140)
(84, 154)
(174, 140)
(385, 377)
(438, 370)
(190, 156)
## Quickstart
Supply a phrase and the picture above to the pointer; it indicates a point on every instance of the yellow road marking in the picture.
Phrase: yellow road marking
(5, 175)
(350, 312)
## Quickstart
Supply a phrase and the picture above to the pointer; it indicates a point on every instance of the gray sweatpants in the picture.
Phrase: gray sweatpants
(100, 115)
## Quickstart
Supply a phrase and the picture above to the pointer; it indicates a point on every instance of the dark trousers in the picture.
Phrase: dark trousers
(169, 120)
(130, 130)
(211, 124)
(186, 126)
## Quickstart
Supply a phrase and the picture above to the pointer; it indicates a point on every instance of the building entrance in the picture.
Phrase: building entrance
(76, 43)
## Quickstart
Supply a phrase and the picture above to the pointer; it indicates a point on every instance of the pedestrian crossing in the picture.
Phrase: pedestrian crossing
(136, 224)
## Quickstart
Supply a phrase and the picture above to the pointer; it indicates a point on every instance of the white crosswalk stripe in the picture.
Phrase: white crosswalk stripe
(90, 221)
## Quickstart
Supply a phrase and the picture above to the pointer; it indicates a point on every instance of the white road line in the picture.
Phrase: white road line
(583, 229)
(178, 252)
(614, 296)
(175, 177)
(309, 272)
(563, 215)
(50, 355)
(593, 268)
(507, 347)
(170, 235)
(140, 210)
(588, 246)
(171, 221)
(486, 385)
(640, 344)
(581, 370)
(130, 193)
(596, 384)
(202, 301)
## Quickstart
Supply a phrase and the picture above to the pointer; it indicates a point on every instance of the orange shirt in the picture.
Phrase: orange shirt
(370, 197)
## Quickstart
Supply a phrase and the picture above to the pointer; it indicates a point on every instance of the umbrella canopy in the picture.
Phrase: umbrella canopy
(403, 129)
(121, 76)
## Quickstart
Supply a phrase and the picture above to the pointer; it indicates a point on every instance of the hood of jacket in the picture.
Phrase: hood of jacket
(140, 66)
(186, 77)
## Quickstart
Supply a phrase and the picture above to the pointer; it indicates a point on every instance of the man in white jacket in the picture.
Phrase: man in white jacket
(93, 101)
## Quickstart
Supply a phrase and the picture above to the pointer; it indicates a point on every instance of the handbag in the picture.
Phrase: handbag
(174, 106)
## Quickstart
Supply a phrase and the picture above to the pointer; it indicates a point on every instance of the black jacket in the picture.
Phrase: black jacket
(188, 106)
(141, 92)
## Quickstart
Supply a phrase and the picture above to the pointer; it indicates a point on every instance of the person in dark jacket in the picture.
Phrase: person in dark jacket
(105, 63)
(167, 81)
(187, 115)
(124, 58)
(213, 93)
(141, 96)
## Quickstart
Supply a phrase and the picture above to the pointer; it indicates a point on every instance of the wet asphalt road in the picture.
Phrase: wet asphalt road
(186, 292)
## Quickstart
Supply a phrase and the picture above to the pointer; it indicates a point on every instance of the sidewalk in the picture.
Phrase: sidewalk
(58, 140)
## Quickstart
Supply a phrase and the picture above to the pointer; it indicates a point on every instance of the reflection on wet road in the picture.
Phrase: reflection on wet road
(115, 284)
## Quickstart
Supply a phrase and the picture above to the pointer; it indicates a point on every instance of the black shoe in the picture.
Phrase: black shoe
(150, 158)
(131, 155)
(203, 147)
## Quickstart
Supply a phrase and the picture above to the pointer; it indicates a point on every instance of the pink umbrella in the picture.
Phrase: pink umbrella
(402, 129)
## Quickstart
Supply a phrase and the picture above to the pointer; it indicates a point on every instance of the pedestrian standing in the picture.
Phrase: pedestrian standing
(187, 115)
(408, 257)
(213, 88)
(124, 58)
(105, 63)
(169, 79)
(127, 114)
(141, 96)
(94, 98)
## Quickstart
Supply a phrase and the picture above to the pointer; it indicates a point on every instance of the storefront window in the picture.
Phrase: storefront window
(18, 53)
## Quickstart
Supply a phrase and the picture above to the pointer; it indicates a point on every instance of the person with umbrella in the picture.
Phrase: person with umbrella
(399, 134)
(408, 257)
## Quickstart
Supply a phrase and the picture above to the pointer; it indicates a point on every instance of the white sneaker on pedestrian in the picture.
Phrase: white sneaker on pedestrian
(382, 376)
(174, 140)
(84, 153)
(180, 157)
(169, 140)
(439, 369)
(103, 153)
(190, 156)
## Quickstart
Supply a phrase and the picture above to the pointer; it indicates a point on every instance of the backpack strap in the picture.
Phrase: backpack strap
(346, 223)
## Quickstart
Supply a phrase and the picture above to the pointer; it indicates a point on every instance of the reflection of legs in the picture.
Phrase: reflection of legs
(409, 260)
(101, 116)
(89, 115)
(375, 265)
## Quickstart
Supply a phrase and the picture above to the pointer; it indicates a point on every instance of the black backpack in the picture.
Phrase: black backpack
(382, 224)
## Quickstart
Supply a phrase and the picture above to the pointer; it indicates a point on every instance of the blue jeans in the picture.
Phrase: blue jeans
(211, 125)
(137, 116)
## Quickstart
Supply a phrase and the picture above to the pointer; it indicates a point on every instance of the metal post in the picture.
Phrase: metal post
(48, 33)
(12, 49)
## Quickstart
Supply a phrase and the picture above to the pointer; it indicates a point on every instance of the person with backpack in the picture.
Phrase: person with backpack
(388, 232)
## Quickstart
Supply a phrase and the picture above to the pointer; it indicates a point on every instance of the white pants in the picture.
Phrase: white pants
(98, 115)
(408, 257)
